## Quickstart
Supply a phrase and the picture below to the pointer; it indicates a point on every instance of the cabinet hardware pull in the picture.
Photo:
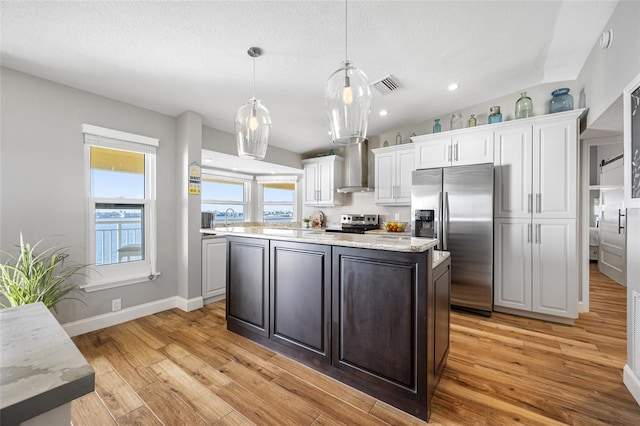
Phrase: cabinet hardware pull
(449, 153)
(620, 216)
(538, 234)
(456, 152)
(528, 232)
(539, 202)
(529, 202)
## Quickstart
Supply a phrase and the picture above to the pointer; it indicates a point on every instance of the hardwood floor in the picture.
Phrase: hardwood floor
(184, 368)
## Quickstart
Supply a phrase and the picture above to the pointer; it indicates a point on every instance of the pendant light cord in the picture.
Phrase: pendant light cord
(346, 34)
(254, 77)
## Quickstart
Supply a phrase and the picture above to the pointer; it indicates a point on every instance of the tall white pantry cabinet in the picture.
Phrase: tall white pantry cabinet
(536, 223)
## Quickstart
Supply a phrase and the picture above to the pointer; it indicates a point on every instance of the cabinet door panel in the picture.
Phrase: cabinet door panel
(326, 183)
(555, 161)
(433, 153)
(301, 296)
(473, 148)
(384, 175)
(310, 183)
(404, 167)
(555, 268)
(214, 267)
(513, 172)
(512, 286)
(248, 283)
(442, 307)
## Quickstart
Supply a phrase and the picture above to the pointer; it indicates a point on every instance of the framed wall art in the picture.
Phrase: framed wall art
(631, 99)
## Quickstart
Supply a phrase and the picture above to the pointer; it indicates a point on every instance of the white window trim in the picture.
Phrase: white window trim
(277, 179)
(246, 180)
(117, 275)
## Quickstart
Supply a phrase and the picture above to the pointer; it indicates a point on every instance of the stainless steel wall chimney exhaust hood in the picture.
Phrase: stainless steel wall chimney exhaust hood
(357, 171)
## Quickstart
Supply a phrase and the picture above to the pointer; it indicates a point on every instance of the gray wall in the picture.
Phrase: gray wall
(43, 185)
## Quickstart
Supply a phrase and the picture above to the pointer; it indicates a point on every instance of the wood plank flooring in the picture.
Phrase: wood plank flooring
(185, 368)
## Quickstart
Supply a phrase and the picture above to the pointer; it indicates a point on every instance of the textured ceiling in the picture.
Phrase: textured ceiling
(176, 56)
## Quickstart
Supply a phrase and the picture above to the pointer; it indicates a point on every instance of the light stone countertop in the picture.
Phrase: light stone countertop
(375, 240)
(40, 367)
(439, 257)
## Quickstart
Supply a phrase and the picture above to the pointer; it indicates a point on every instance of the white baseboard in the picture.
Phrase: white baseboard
(632, 382)
(189, 305)
(87, 325)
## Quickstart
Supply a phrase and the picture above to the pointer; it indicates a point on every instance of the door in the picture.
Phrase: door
(554, 170)
(384, 177)
(513, 263)
(426, 194)
(555, 268)
(310, 183)
(473, 148)
(468, 234)
(433, 153)
(513, 171)
(404, 168)
(613, 235)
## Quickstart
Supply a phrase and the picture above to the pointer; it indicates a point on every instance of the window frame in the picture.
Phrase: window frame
(234, 177)
(126, 273)
(261, 180)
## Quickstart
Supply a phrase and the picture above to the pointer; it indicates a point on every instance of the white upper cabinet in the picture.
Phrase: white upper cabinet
(393, 167)
(513, 172)
(322, 176)
(456, 148)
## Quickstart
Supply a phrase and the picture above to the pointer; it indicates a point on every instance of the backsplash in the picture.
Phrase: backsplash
(359, 202)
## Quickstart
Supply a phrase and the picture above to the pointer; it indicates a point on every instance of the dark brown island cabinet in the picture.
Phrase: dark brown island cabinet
(377, 320)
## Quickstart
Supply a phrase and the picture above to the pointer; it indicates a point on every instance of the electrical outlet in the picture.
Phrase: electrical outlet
(116, 305)
(397, 216)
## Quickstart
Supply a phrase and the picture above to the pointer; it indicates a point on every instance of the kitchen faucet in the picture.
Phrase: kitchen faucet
(226, 215)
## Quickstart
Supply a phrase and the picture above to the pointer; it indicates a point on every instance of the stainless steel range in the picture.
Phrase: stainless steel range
(356, 223)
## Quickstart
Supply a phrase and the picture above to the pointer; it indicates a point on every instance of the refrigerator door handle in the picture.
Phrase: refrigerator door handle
(437, 231)
(445, 221)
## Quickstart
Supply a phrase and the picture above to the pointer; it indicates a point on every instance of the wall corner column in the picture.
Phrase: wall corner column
(189, 261)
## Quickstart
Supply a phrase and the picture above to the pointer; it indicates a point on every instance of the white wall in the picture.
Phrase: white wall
(43, 185)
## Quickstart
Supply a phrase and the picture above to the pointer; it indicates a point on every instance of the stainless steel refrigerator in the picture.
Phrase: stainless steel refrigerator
(458, 201)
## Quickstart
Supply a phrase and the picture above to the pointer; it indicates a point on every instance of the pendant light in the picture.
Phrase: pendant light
(253, 123)
(348, 97)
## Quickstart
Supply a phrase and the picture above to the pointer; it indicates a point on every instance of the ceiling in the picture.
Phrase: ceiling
(176, 56)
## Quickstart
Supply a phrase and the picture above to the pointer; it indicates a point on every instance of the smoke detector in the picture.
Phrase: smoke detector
(386, 84)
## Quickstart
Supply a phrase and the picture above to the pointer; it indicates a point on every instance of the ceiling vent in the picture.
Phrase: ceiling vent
(387, 84)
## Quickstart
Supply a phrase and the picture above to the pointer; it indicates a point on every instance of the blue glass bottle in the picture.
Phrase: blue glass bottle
(561, 101)
(495, 116)
(436, 126)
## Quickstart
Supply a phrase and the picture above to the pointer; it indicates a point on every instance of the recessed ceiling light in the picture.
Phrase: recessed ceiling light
(234, 169)
(383, 112)
(453, 86)
(208, 160)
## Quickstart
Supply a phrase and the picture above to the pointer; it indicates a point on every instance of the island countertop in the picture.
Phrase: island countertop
(41, 369)
(372, 240)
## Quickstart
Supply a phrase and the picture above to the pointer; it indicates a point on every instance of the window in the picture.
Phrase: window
(121, 230)
(221, 191)
(278, 196)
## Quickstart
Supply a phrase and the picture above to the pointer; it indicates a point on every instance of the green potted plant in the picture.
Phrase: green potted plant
(29, 277)
(306, 221)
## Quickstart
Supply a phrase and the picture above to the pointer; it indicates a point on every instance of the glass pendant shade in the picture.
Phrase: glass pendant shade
(253, 125)
(348, 97)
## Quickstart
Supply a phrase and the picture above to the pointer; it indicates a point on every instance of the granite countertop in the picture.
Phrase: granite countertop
(439, 257)
(376, 240)
(40, 367)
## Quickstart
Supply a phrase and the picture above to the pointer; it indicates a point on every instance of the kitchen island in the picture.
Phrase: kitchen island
(362, 309)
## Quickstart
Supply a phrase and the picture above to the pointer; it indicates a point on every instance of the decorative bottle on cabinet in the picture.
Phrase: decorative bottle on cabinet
(436, 126)
(561, 101)
(473, 121)
(456, 121)
(398, 139)
(495, 116)
(524, 106)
